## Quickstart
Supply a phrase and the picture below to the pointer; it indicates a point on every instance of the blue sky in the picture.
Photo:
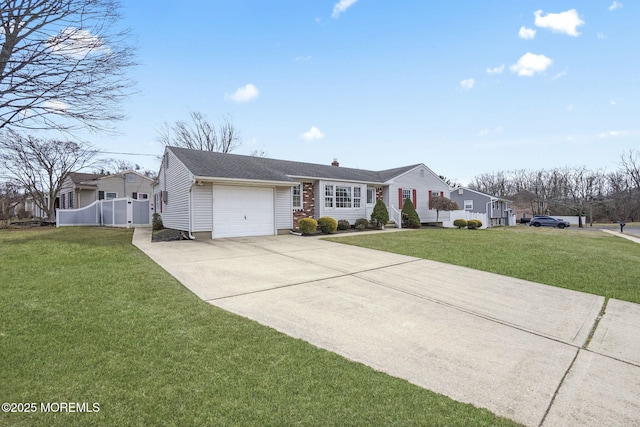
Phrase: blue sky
(466, 87)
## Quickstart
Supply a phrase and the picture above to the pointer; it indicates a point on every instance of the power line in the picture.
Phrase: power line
(128, 154)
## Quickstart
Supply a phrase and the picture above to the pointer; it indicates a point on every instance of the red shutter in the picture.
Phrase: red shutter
(415, 199)
(400, 201)
(442, 194)
(429, 199)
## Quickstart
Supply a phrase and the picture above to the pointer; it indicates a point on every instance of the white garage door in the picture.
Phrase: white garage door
(242, 211)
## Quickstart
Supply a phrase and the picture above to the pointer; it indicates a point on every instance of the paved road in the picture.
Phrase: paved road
(518, 348)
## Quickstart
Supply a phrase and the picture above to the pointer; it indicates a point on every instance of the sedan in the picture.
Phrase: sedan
(547, 221)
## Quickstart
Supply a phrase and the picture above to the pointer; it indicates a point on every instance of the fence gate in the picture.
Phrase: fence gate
(111, 213)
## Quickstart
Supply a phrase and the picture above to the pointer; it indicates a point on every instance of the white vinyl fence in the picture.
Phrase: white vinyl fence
(111, 213)
(466, 215)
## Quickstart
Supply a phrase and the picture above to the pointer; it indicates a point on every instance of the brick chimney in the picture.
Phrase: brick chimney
(335, 163)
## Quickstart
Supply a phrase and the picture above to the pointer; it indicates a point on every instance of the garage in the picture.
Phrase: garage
(242, 211)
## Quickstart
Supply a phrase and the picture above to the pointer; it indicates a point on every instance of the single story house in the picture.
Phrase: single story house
(497, 209)
(81, 189)
(229, 195)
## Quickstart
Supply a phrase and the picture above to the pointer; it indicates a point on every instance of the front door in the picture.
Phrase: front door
(371, 200)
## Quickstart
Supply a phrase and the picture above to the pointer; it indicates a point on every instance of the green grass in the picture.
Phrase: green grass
(86, 317)
(587, 261)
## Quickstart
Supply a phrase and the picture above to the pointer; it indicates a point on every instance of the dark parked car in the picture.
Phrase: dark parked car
(547, 221)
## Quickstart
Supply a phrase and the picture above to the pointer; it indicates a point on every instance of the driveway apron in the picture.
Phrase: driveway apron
(537, 354)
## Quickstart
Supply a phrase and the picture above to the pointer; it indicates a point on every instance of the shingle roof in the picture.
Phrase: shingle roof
(234, 166)
(78, 177)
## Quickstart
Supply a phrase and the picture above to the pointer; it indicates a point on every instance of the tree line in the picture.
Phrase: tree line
(601, 195)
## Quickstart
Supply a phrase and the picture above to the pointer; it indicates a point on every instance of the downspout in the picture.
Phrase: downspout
(189, 212)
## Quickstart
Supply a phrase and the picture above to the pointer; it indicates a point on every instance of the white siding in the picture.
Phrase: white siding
(284, 216)
(175, 180)
(202, 207)
(422, 182)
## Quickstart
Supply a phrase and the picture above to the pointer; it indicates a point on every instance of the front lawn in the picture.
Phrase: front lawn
(87, 318)
(583, 260)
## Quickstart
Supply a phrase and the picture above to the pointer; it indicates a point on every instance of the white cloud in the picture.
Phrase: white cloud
(612, 134)
(495, 70)
(467, 84)
(612, 103)
(601, 35)
(312, 134)
(615, 5)
(76, 43)
(526, 33)
(485, 132)
(341, 6)
(303, 58)
(529, 64)
(243, 94)
(55, 106)
(563, 22)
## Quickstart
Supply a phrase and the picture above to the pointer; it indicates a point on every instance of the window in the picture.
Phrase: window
(64, 201)
(140, 196)
(356, 197)
(131, 177)
(468, 205)
(70, 199)
(406, 194)
(371, 196)
(328, 196)
(296, 195)
(109, 195)
(343, 197)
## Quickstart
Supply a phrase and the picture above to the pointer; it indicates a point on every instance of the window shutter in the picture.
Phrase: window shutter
(429, 199)
(100, 195)
(134, 195)
(415, 199)
(400, 198)
(442, 194)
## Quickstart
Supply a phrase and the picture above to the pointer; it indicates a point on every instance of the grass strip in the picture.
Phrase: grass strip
(582, 260)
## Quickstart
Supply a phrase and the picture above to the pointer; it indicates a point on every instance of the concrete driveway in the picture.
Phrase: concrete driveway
(520, 349)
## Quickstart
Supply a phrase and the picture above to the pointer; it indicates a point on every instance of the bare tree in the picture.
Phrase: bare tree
(63, 64)
(201, 134)
(442, 204)
(631, 164)
(40, 166)
(10, 197)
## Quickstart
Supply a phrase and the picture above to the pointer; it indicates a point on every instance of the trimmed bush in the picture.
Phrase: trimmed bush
(308, 225)
(362, 224)
(343, 224)
(156, 222)
(473, 224)
(380, 214)
(409, 215)
(460, 223)
(327, 224)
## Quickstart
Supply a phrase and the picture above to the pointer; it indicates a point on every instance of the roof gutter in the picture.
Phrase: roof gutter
(235, 181)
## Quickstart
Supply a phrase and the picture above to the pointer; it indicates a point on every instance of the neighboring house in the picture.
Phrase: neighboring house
(229, 195)
(81, 189)
(497, 209)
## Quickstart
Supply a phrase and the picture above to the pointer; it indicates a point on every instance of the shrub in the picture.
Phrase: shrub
(343, 224)
(308, 225)
(156, 222)
(327, 224)
(362, 224)
(460, 223)
(473, 224)
(380, 214)
(409, 215)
